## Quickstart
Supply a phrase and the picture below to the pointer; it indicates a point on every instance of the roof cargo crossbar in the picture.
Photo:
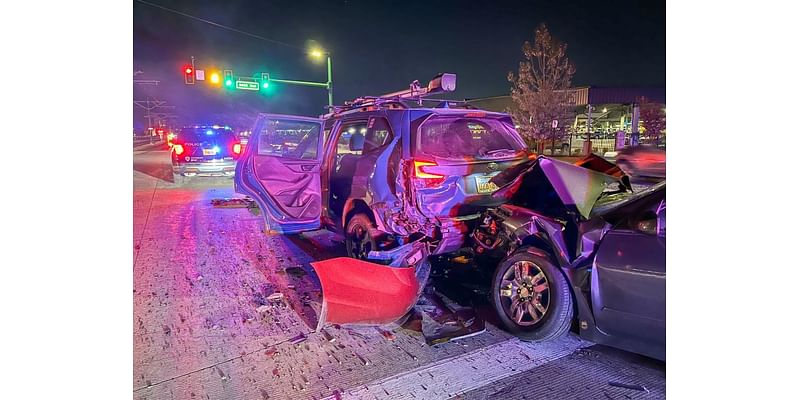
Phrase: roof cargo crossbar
(443, 82)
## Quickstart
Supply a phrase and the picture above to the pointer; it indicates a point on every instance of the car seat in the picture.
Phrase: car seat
(343, 176)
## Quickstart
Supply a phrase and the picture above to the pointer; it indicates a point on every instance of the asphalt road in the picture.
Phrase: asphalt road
(204, 328)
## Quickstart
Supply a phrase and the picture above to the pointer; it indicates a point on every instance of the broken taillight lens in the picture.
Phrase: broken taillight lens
(178, 149)
(427, 178)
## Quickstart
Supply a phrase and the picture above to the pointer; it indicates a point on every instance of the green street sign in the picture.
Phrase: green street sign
(247, 85)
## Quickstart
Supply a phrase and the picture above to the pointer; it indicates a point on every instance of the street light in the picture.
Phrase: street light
(318, 53)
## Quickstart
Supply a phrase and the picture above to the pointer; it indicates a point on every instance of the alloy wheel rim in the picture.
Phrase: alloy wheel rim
(525, 293)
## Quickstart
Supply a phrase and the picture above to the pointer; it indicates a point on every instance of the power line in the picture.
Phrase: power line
(253, 35)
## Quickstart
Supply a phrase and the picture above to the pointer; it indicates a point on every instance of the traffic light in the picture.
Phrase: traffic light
(228, 78)
(214, 78)
(264, 80)
(188, 74)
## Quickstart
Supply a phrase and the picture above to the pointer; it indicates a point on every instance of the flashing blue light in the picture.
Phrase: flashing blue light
(209, 132)
(216, 149)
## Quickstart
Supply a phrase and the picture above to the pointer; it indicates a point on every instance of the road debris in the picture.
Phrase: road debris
(298, 339)
(263, 309)
(629, 386)
(389, 335)
(277, 296)
(327, 335)
(233, 203)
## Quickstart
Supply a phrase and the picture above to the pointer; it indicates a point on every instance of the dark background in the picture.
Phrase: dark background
(380, 46)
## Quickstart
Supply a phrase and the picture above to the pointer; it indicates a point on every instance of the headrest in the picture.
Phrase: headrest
(357, 142)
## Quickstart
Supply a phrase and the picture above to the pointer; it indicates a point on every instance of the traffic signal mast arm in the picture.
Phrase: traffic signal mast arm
(303, 83)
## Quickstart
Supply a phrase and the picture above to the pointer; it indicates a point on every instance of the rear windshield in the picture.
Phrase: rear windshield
(456, 137)
(203, 134)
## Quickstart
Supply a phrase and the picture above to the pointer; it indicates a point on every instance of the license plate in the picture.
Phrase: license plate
(484, 185)
(209, 152)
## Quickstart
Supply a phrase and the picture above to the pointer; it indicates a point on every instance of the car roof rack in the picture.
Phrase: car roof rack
(443, 82)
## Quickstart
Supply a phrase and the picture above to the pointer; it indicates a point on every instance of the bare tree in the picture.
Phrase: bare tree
(653, 118)
(541, 90)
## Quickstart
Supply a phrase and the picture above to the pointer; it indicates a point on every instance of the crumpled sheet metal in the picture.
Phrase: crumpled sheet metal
(575, 186)
(361, 292)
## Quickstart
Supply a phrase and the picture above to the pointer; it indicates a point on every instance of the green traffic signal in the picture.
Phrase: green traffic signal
(228, 82)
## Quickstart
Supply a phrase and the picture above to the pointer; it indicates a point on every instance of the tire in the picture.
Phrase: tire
(555, 298)
(360, 236)
(178, 179)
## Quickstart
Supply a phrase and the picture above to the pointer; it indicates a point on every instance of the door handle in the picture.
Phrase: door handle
(307, 167)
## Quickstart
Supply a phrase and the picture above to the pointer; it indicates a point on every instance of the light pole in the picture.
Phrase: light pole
(317, 53)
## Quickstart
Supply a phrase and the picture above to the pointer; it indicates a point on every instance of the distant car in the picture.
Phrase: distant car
(204, 151)
(610, 155)
(643, 161)
(576, 252)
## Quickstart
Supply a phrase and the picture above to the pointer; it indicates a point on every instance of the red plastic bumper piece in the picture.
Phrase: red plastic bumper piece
(361, 292)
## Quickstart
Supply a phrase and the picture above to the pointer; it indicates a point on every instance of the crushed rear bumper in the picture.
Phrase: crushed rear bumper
(372, 293)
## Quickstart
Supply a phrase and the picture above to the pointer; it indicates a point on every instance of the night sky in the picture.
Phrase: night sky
(380, 46)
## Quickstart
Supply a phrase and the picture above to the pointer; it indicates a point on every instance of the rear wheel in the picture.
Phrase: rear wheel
(532, 297)
(360, 237)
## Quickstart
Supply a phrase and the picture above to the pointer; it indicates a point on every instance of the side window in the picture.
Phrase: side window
(350, 144)
(289, 139)
(379, 134)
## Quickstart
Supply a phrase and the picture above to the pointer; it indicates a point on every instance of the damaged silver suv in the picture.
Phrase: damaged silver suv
(383, 171)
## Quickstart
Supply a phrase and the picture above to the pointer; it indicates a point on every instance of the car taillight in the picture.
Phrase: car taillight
(178, 149)
(427, 178)
(237, 148)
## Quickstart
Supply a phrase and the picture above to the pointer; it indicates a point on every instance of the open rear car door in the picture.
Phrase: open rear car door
(280, 170)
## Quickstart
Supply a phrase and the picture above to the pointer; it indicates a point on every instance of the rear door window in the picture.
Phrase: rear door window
(459, 137)
(289, 139)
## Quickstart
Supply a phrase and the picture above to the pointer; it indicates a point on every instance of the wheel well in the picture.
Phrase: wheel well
(356, 206)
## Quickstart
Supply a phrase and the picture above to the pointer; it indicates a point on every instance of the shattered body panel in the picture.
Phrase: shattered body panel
(602, 240)
(372, 293)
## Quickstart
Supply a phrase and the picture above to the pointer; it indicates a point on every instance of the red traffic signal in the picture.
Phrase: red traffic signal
(188, 74)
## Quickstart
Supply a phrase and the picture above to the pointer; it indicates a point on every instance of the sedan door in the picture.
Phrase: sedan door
(280, 170)
(629, 274)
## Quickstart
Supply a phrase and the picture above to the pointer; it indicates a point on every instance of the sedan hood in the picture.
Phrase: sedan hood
(553, 187)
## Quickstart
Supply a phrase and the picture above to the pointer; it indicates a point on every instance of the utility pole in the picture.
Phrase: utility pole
(330, 82)
(150, 105)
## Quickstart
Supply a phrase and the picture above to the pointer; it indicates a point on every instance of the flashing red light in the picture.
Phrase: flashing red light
(178, 149)
(188, 70)
(429, 179)
(237, 148)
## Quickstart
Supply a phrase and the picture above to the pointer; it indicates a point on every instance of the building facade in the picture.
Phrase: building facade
(606, 115)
